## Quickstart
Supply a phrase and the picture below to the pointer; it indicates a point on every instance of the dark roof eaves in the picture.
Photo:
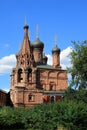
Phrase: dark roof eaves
(49, 67)
(3, 91)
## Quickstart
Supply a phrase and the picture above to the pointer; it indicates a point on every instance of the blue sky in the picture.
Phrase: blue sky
(65, 18)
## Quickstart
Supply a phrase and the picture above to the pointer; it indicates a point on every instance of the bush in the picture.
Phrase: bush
(76, 95)
(66, 115)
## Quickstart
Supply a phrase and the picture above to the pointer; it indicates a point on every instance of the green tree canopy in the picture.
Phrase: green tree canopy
(78, 70)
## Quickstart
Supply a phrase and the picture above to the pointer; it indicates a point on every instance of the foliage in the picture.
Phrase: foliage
(66, 115)
(78, 70)
(10, 118)
(72, 115)
(76, 95)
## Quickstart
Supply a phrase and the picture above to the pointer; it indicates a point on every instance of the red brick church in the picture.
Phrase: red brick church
(33, 81)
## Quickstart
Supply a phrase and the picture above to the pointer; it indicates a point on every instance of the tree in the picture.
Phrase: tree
(78, 70)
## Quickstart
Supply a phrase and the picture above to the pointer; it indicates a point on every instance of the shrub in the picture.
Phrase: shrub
(63, 115)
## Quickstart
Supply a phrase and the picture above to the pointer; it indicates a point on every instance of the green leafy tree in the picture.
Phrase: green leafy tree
(75, 95)
(78, 70)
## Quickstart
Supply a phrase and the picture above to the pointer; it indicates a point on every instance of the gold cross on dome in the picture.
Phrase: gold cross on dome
(37, 28)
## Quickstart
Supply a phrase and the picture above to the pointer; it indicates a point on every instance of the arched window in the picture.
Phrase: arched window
(29, 75)
(31, 98)
(51, 87)
(20, 77)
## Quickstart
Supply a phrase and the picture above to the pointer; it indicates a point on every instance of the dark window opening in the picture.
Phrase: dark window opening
(28, 62)
(29, 75)
(51, 86)
(20, 78)
(52, 99)
(31, 98)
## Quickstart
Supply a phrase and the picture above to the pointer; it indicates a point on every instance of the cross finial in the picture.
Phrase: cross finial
(37, 28)
(25, 21)
(55, 39)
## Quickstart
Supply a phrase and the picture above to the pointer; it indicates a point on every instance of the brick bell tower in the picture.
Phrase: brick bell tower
(23, 77)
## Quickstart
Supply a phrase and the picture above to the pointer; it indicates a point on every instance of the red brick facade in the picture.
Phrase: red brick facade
(33, 81)
(3, 98)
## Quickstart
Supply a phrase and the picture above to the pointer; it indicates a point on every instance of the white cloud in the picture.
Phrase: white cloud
(7, 63)
(49, 62)
(64, 58)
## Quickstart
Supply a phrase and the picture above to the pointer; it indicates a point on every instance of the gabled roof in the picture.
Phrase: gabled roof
(3, 91)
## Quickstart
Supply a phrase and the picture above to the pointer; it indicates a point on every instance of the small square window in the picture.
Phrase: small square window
(31, 98)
